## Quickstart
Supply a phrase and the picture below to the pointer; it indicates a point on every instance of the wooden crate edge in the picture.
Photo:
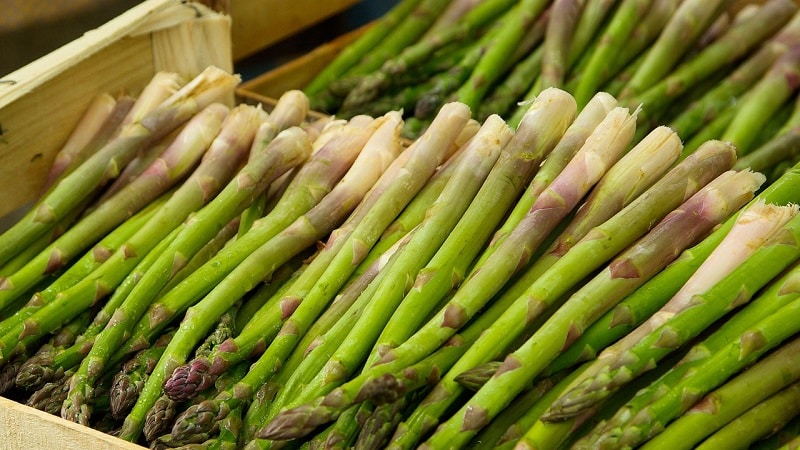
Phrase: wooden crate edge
(23, 427)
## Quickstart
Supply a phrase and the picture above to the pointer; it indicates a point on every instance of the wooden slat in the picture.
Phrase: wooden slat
(258, 23)
(25, 428)
(41, 102)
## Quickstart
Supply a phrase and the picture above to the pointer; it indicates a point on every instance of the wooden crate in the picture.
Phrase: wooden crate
(259, 23)
(40, 104)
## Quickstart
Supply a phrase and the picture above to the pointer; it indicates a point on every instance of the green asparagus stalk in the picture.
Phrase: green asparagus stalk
(602, 149)
(706, 108)
(111, 273)
(742, 351)
(552, 284)
(173, 165)
(778, 294)
(762, 420)
(646, 32)
(772, 91)
(543, 126)
(404, 34)
(107, 275)
(236, 138)
(560, 30)
(624, 182)
(728, 48)
(490, 66)
(392, 386)
(684, 28)
(717, 200)
(377, 153)
(352, 53)
(785, 147)
(749, 231)
(591, 19)
(614, 37)
(100, 110)
(206, 88)
(481, 154)
(43, 368)
(129, 380)
(333, 325)
(734, 289)
(729, 401)
(413, 55)
(752, 229)
(379, 426)
(711, 131)
(450, 122)
(512, 89)
(84, 265)
(343, 433)
(572, 141)
(49, 397)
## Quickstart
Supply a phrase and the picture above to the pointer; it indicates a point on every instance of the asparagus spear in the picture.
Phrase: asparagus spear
(480, 156)
(612, 40)
(129, 380)
(759, 422)
(43, 368)
(741, 351)
(707, 107)
(511, 90)
(207, 87)
(736, 288)
(734, 398)
(632, 175)
(749, 230)
(405, 33)
(719, 199)
(543, 126)
(602, 149)
(360, 228)
(591, 19)
(417, 170)
(728, 48)
(785, 147)
(560, 29)
(413, 55)
(236, 139)
(772, 91)
(377, 154)
(551, 284)
(111, 273)
(102, 108)
(569, 144)
(490, 66)
(683, 29)
(173, 165)
(393, 385)
(752, 229)
(352, 53)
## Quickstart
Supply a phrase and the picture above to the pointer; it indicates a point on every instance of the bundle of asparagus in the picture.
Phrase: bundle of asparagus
(232, 278)
(709, 69)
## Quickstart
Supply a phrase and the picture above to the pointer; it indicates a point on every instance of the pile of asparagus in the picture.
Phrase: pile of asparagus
(706, 69)
(200, 276)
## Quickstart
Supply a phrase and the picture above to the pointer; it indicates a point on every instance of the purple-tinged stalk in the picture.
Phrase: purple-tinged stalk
(679, 229)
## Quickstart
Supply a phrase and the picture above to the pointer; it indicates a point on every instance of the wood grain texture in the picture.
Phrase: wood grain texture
(26, 428)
